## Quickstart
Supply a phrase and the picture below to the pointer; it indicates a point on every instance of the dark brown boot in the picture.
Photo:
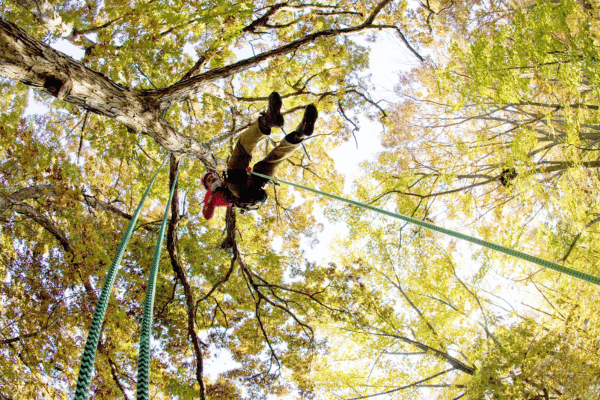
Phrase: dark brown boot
(306, 127)
(272, 117)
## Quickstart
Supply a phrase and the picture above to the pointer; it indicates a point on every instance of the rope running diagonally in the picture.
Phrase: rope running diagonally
(89, 353)
(511, 252)
(143, 377)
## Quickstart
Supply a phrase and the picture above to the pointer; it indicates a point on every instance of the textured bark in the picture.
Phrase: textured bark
(27, 60)
(30, 192)
(33, 63)
(181, 276)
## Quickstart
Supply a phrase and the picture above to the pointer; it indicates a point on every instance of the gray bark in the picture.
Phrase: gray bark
(36, 64)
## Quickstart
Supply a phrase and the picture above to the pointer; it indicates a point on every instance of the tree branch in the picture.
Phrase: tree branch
(417, 383)
(180, 275)
(36, 64)
(256, 287)
(15, 201)
(456, 363)
(274, 9)
(572, 246)
(184, 88)
(25, 336)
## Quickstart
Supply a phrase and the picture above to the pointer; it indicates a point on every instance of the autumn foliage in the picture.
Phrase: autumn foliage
(494, 132)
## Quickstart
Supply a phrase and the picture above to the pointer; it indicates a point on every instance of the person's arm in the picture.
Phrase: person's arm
(215, 197)
(209, 205)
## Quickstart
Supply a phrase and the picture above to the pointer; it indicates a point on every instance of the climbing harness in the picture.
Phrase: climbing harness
(89, 353)
(511, 252)
(254, 201)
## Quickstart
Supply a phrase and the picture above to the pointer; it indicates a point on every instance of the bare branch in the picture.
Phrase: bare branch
(230, 245)
(263, 21)
(114, 371)
(30, 212)
(181, 276)
(414, 384)
(456, 363)
(183, 89)
(572, 246)
(403, 38)
(15, 201)
(256, 288)
(22, 337)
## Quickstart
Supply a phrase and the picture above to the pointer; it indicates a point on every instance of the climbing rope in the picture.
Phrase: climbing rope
(511, 252)
(143, 377)
(89, 353)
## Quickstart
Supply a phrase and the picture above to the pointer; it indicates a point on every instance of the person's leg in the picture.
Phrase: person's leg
(237, 176)
(241, 156)
(286, 147)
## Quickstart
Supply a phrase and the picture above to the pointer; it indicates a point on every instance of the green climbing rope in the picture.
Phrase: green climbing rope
(143, 377)
(89, 353)
(515, 253)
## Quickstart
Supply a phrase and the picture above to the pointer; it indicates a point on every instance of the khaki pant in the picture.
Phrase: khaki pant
(237, 176)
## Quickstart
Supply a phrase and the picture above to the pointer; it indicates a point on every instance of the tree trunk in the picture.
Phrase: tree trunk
(36, 64)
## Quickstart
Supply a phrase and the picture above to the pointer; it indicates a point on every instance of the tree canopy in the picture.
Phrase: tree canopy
(494, 132)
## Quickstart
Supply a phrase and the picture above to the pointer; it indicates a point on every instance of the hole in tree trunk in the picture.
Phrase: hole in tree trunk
(53, 85)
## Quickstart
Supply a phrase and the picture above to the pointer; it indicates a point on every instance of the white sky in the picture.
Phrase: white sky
(388, 57)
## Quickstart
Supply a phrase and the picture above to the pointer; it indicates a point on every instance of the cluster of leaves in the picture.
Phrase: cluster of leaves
(495, 135)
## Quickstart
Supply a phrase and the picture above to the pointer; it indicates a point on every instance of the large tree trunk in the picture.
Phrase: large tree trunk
(33, 63)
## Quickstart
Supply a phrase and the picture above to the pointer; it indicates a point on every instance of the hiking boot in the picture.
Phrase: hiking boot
(272, 117)
(307, 125)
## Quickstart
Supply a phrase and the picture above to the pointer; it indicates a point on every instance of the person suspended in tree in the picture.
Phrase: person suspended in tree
(239, 187)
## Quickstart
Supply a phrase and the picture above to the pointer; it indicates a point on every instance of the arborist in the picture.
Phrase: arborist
(239, 187)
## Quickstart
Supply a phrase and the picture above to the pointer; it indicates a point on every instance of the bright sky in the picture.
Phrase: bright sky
(388, 57)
